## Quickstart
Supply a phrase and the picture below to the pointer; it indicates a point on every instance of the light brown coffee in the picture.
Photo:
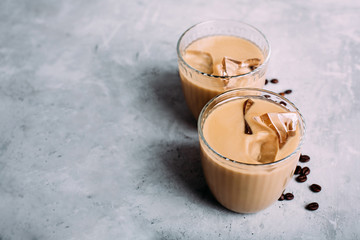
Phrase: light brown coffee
(207, 56)
(242, 169)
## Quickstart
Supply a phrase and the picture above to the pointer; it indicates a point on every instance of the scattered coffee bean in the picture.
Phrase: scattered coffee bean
(297, 170)
(312, 206)
(282, 197)
(304, 158)
(288, 91)
(283, 103)
(282, 94)
(315, 188)
(267, 96)
(274, 80)
(289, 196)
(266, 81)
(301, 178)
(305, 171)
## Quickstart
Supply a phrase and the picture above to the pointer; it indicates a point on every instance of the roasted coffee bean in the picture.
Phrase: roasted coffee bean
(289, 196)
(267, 96)
(301, 178)
(282, 197)
(283, 103)
(304, 158)
(274, 80)
(305, 171)
(312, 206)
(282, 94)
(266, 81)
(288, 91)
(297, 170)
(315, 188)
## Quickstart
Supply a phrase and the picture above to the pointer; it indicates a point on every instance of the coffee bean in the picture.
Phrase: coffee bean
(315, 188)
(282, 94)
(305, 171)
(304, 158)
(267, 96)
(312, 206)
(301, 178)
(281, 198)
(274, 80)
(283, 103)
(288, 91)
(289, 196)
(266, 81)
(297, 170)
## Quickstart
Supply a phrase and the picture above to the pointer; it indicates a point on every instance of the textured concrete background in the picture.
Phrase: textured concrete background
(96, 141)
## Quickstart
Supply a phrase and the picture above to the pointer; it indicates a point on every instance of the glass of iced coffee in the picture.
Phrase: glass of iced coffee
(250, 142)
(216, 56)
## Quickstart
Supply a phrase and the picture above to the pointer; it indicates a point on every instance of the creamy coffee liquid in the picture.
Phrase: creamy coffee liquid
(206, 55)
(240, 187)
(224, 131)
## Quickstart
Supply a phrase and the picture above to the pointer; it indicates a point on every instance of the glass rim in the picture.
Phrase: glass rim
(200, 131)
(217, 76)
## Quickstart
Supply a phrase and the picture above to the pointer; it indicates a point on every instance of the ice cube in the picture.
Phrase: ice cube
(284, 124)
(262, 146)
(219, 70)
(247, 105)
(199, 60)
(232, 67)
(252, 63)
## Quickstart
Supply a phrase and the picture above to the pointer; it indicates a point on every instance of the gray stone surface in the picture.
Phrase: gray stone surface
(96, 141)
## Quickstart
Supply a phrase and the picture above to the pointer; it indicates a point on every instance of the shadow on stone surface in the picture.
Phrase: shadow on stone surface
(166, 86)
(184, 166)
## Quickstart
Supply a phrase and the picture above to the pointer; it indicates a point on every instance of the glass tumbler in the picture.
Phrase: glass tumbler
(244, 187)
(199, 87)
